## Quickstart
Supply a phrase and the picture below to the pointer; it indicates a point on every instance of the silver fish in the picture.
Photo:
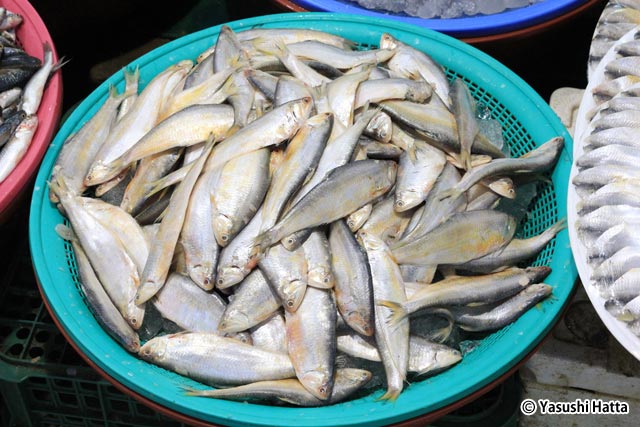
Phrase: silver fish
(477, 319)
(186, 304)
(107, 314)
(462, 290)
(347, 381)
(416, 178)
(311, 341)
(216, 360)
(318, 254)
(253, 302)
(345, 189)
(392, 340)
(353, 291)
(463, 237)
(159, 262)
(286, 272)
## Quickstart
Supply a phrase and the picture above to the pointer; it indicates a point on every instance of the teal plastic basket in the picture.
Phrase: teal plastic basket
(527, 121)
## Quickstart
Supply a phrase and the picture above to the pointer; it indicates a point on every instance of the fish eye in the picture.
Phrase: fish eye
(225, 238)
(289, 303)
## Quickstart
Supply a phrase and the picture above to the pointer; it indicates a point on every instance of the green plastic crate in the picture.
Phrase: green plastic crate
(43, 381)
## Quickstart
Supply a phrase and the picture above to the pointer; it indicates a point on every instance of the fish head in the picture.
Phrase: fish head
(202, 274)
(234, 320)
(319, 383)
(293, 241)
(293, 292)
(300, 110)
(405, 200)
(370, 241)
(360, 322)
(98, 174)
(504, 187)
(387, 41)
(537, 274)
(229, 276)
(222, 228)
(447, 357)
(381, 125)
(419, 92)
(154, 349)
(321, 277)
(353, 377)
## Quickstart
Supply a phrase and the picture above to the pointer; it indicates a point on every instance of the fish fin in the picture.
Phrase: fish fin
(398, 312)
(261, 243)
(452, 192)
(274, 47)
(65, 232)
(442, 334)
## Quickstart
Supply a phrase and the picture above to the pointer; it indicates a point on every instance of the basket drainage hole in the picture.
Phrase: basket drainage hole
(35, 352)
(22, 333)
(68, 399)
(42, 336)
(15, 349)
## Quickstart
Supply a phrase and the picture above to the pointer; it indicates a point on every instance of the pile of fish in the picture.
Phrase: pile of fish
(606, 177)
(22, 81)
(444, 9)
(267, 216)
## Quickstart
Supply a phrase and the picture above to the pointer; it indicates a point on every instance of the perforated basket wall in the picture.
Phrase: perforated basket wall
(527, 121)
(43, 381)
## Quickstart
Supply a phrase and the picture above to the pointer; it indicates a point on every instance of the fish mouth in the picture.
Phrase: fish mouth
(317, 383)
(294, 294)
(538, 274)
(320, 278)
(229, 276)
(357, 321)
(202, 276)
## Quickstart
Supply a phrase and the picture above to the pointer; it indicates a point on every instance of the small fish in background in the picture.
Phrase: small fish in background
(329, 212)
(23, 79)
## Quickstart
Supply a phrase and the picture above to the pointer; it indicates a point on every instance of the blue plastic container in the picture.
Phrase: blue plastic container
(527, 121)
(472, 26)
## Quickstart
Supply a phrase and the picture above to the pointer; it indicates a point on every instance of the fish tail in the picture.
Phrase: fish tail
(398, 312)
(131, 78)
(390, 395)
(190, 391)
(61, 63)
(57, 185)
(261, 243)
(559, 226)
(412, 152)
(465, 159)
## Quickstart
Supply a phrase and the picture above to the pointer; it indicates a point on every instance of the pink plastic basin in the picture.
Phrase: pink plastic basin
(32, 34)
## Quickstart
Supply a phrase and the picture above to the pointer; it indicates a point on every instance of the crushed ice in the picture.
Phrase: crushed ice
(444, 9)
